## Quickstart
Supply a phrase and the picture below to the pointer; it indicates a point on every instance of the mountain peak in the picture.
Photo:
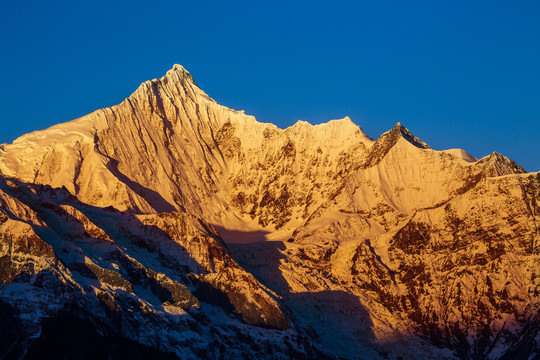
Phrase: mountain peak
(499, 165)
(178, 74)
(400, 130)
(180, 71)
(388, 140)
(177, 82)
(178, 67)
(345, 122)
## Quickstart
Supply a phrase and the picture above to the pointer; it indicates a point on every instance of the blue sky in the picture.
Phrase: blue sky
(458, 74)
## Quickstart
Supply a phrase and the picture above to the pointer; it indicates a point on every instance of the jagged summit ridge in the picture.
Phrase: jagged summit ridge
(405, 133)
(168, 145)
(176, 82)
(147, 153)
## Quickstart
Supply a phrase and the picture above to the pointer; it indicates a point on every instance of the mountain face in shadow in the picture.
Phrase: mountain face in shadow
(169, 226)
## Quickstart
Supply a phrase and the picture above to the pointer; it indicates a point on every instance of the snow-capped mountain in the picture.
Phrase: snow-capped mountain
(169, 226)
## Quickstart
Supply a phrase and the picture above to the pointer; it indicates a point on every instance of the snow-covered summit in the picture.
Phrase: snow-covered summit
(181, 224)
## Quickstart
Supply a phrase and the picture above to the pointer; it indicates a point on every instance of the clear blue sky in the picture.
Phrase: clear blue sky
(457, 74)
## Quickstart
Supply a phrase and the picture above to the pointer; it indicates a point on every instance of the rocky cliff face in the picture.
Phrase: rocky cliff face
(172, 222)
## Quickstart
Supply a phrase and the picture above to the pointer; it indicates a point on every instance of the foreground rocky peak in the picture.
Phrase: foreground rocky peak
(181, 224)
